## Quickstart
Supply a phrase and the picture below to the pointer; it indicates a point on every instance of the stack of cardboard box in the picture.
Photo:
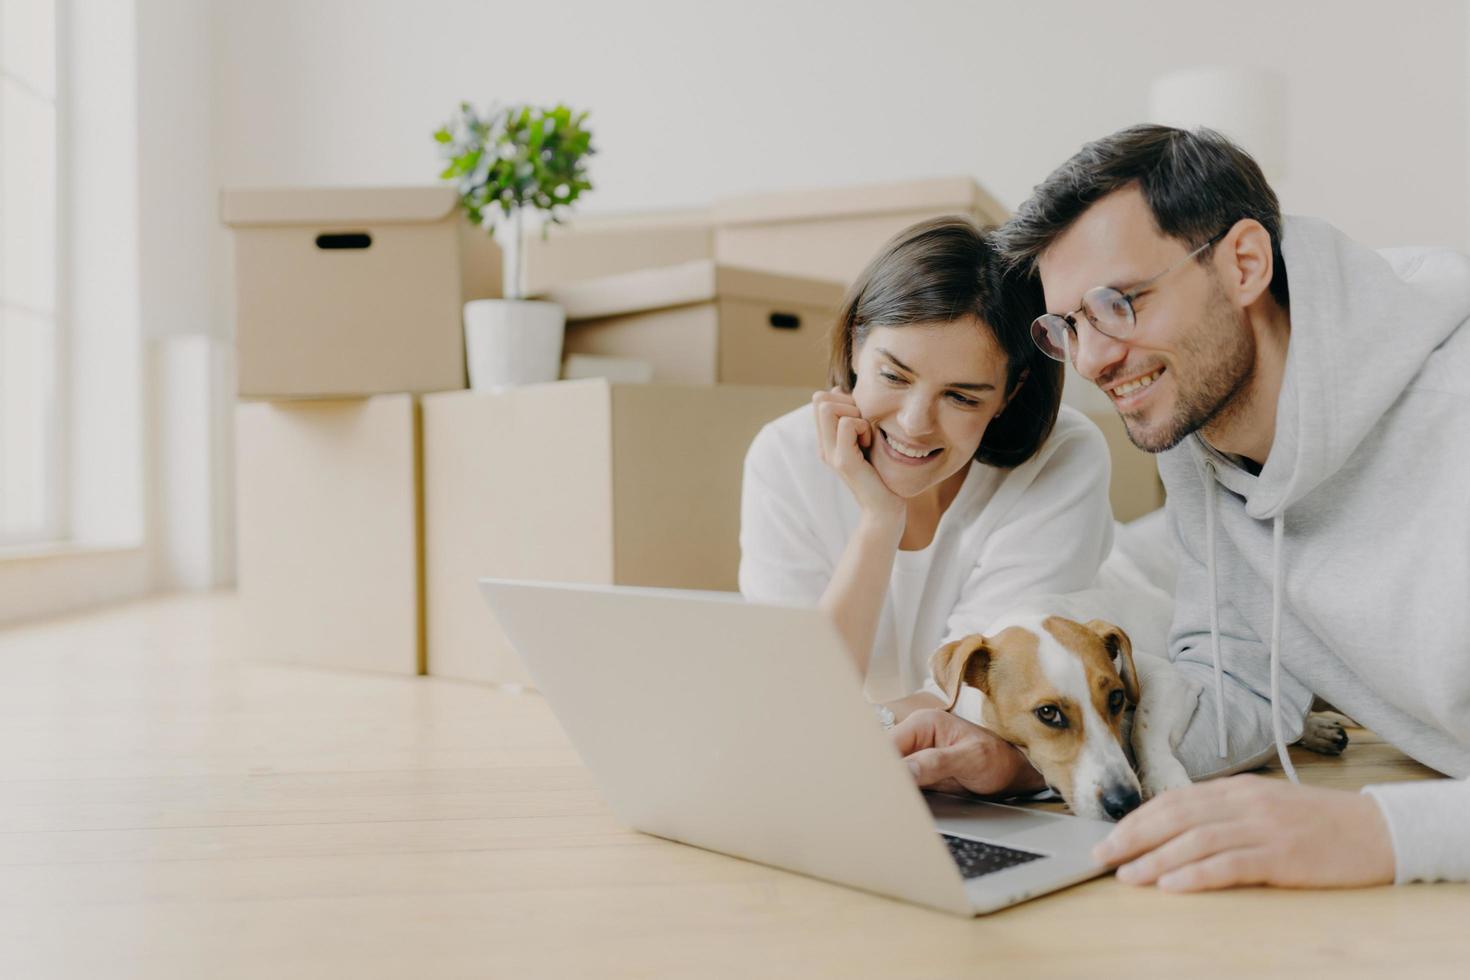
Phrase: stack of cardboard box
(347, 311)
(374, 490)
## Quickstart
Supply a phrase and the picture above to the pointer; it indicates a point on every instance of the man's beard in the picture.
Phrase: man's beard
(1214, 368)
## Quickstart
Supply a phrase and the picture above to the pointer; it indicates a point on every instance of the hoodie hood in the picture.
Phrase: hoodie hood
(1340, 377)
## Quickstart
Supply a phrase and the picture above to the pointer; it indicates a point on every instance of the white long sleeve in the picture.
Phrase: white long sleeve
(1429, 822)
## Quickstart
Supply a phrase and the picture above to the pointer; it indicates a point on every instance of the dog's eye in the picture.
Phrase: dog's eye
(1116, 701)
(1051, 716)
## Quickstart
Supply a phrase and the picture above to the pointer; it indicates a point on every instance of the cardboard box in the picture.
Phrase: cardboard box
(579, 481)
(330, 557)
(833, 234)
(1135, 489)
(353, 291)
(699, 323)
(593, 247)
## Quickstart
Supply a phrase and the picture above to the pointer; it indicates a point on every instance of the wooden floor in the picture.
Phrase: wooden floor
(168, 809)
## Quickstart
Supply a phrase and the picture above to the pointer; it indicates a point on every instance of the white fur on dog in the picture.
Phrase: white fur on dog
(1102, 762)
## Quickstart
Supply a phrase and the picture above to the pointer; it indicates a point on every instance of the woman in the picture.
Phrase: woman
(938, 480)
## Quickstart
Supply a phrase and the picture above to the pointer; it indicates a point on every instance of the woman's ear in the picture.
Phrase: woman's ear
(854, 354)
(1015, 390)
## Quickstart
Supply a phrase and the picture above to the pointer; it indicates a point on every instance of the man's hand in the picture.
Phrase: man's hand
(1250, 830)
(951, 755)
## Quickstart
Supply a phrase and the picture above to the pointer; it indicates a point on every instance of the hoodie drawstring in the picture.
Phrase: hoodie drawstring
(1221, 737)
(1278, 531)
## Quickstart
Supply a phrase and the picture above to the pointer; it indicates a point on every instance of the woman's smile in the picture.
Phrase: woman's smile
(902, 451)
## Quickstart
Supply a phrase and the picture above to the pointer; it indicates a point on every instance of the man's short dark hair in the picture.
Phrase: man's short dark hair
(1197, 184)
(940, 271)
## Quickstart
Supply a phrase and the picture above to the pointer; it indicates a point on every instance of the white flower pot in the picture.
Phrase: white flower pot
(511, 342)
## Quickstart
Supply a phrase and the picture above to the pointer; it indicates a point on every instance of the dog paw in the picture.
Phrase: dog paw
(1160, 776)
(1325, 734)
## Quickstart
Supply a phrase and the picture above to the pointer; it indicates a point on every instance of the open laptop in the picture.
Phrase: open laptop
(742, 728)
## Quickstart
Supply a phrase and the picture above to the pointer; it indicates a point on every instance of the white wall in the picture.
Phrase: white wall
(189, 385)
(176, 180)
(692, 101)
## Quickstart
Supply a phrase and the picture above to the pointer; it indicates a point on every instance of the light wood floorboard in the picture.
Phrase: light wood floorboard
(169, 809)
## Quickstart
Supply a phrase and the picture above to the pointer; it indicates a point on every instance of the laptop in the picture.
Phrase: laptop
(742, 728)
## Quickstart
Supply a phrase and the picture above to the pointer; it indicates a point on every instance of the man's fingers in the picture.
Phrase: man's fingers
(1242, 866)
(1159, 821)
(1195, 844)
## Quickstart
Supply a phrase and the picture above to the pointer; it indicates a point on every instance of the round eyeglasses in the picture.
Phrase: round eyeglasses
(1109, 310)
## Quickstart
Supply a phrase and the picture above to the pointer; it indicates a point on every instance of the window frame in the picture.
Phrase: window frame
(54, 526)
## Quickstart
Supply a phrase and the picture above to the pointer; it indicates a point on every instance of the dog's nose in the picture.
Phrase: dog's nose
(1119, 801)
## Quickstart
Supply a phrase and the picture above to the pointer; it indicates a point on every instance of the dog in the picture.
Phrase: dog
(1061, 691)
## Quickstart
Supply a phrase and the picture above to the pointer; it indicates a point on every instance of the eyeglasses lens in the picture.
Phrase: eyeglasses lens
(1050, 333)
(1109, 311)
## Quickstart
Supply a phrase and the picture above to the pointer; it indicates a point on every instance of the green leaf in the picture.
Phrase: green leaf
(513, 157)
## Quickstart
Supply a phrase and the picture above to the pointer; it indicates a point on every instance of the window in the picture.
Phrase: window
(30, 423)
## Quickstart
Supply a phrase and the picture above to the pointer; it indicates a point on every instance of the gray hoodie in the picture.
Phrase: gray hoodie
(1356, 534)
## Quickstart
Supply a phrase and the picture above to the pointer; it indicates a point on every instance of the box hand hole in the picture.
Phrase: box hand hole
(343, 239)
(785, 321)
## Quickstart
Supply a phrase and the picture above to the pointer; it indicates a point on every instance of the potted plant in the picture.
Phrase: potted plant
(504, 163)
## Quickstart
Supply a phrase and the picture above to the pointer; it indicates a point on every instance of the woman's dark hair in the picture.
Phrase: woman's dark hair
(948, 269)
(1197, 184)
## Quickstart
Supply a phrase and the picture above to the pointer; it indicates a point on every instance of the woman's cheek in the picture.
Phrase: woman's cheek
(974, 433)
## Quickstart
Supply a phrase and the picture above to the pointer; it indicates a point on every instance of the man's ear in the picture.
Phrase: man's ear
(964, 661)
(1120, 652)
(1249, 262)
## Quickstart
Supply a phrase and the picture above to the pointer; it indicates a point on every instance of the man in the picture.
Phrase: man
(1310, 399)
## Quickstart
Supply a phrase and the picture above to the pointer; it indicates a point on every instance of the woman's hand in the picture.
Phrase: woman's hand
(842, 436)
(951, 755)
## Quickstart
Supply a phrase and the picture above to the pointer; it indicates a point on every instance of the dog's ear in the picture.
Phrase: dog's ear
(965, 661)
(1120, 652)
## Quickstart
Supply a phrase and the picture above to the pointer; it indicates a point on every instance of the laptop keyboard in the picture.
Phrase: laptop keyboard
(977, 858)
